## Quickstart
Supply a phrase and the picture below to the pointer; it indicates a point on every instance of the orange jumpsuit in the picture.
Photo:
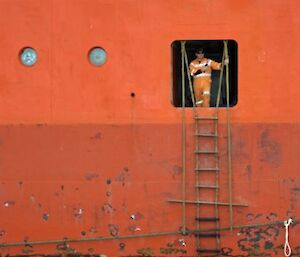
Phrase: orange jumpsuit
(200, 70)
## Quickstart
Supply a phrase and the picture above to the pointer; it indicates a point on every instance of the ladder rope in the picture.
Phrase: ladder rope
(217, 178)
(190, 80)
(183, 140)
(228, 139)
(197, 190)
(217, 181)
(220, 80)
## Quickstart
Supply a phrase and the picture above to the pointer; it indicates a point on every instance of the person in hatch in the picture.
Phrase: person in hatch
(200, 70)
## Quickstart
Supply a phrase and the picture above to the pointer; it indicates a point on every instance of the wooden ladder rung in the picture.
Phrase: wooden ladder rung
(205, 152)
(207, 169)
(205, 135)
(206, 118)
(208, 250)
(207, 186)
(207, 219)
(206, 234)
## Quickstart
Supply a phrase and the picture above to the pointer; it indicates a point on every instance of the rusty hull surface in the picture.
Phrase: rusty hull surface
(86, 181)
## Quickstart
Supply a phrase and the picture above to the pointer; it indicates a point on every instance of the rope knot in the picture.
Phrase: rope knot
(288, 222)
(287, 248)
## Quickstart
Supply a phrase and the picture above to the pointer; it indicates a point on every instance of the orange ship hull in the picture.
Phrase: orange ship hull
(90, 155)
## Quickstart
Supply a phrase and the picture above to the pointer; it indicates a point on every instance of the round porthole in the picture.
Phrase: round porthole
(28, 56)
(97, 56)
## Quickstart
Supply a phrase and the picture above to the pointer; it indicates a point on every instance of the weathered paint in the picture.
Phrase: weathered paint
(60, 190)
(84, 148)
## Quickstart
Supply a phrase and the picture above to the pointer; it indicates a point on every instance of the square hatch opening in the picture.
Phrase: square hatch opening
(213, 50)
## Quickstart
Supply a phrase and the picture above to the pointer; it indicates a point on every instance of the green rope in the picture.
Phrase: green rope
(41, 242)
(183, 139)
(196, 144)
(190, 80)
(88, 239)
(220, 79)
(228, 140)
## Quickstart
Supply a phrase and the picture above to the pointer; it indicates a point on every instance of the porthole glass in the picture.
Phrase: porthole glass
(28, 56)
(97, 56)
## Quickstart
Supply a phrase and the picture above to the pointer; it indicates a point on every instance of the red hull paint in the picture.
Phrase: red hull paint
(67, 168)
(98, 155)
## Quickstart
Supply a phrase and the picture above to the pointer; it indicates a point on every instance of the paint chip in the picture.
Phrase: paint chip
(122, 246)
(107, 208)
(182, 242)
(134, 228)
(123, 176)
(46, 216)
(113, 229)
(9, 203)
(78, 212)
(97, 136)
(93, 229)
(2, 233)
(91, 176)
